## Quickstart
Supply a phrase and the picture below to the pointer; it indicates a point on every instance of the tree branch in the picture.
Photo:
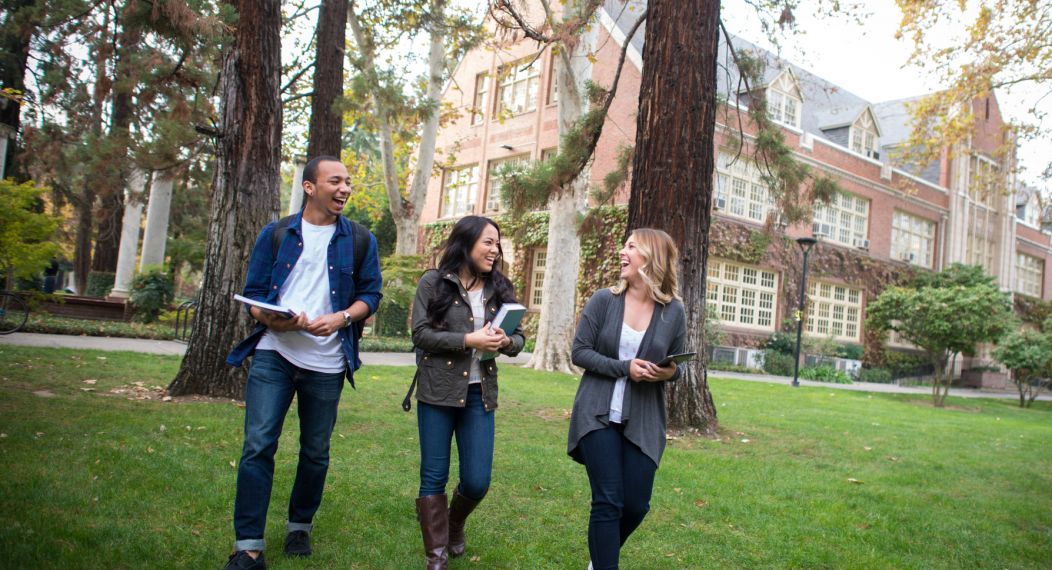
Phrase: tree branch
(298, 75)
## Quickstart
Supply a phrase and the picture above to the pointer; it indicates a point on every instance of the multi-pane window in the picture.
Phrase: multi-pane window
(864, 135)
(834, 310)
(984, 183)
(478, 111)
(784, 108)
(460, 191)
(844, 220)
(912, 239)
(982, 238)
(493, 180)
(1029, 273)
(742, 295)
(1030, 213)
(553, 81)
(540, 257)
(740, 191)
(519, 82)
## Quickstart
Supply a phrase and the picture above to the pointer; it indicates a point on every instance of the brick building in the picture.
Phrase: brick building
(888, 222)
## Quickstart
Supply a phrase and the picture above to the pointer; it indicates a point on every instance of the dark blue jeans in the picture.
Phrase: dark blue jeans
(272, 381)
(473, 427)
(622, 479)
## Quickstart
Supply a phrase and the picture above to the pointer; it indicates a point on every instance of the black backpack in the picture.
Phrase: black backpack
(361, 248)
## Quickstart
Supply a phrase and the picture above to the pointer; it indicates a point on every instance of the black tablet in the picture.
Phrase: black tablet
(677, 358)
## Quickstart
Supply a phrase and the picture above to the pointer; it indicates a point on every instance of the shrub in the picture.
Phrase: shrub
(152, 292)
(825, 374)
(850, 351)
(728, 367)
(392, 319)
(777, 363)
(782, 342)
(875, 375)
(100, 283)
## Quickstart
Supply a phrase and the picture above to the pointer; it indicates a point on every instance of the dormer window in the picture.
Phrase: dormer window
(784, 100)
(864, 136)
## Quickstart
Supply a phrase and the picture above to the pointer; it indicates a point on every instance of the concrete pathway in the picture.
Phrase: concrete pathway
(408, 359)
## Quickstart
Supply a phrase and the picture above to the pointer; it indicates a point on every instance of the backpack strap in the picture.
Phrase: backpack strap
(280, 229)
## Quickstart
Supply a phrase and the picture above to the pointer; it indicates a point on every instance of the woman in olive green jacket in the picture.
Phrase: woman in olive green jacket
(456, 390)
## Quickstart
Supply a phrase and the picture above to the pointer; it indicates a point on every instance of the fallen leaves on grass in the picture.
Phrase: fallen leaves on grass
(855, 481)
(700, 504)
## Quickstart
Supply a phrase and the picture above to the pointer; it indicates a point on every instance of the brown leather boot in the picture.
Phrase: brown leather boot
(459, 509)
(433, 515)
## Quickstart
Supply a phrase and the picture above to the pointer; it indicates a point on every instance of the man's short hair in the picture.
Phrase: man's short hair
(310, 171)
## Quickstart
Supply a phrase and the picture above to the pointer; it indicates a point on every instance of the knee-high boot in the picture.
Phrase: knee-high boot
(433, 514)
(459, 509)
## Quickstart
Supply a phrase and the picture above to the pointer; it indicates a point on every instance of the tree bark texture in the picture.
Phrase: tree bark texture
(19, 26)
(672, 170)
(555, 329)
(245, 197)
(326, 124)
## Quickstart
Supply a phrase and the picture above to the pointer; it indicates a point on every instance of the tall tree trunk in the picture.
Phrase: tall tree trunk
(673, 166)
(111, 190)
(405, 209)
(555, 329)
(18, 28)
(245, 197)
(326, 124)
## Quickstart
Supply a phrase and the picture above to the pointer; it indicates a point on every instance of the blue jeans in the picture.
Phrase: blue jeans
(622, 480)
(473, 427)
(272, 381)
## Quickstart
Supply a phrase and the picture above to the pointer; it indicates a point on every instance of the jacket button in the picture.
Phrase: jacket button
(334, 291)
(491, 369)
(288, 265)
(456, 302)
(462, 401)
(330, 268)
(300, 244)
(465, 373)
(493, 309)
(275, 286)
(425, 358)
(449, 363)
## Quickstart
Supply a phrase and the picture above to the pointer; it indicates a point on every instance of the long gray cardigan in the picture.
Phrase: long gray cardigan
(595, 348)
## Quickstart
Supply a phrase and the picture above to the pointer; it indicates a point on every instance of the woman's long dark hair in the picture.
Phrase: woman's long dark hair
(456, 254)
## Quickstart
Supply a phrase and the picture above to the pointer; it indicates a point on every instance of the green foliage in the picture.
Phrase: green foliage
(730, 367)
(875, 375)
(617, 177)
(401, 273)
(900, 363)
(782, 341)
(825, 374)
(949, 313)
(821, 346)
(100, 283)
(850, 351)
(25, 233)
(151, 292)
(777, 362)
(601, 233)
(1028, 354)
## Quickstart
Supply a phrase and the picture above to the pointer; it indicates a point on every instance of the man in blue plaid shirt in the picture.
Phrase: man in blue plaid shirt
(307, 263)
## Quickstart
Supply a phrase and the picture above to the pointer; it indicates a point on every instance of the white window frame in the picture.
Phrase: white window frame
(493, 182)
(848, 214)
(865, 139)
(744, 193)
(538, 267)
(478, 111)
(744, 296)
(912, 239)
(983, 186)
(982, 238)
(460, 188)
(519, 86)
(835, 310)
(784, 101)
(1029, 274)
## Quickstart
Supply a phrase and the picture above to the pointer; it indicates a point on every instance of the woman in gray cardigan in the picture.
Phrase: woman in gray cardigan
(617, 428)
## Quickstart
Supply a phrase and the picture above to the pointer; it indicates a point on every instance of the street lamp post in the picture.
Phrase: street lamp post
(806, 243)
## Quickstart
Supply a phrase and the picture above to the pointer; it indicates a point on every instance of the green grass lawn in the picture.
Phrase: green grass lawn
(97, 479)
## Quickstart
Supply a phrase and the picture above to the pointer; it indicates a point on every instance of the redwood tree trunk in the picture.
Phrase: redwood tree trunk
(19, 26)
(672, 170)
(245, 197)
(326, 124)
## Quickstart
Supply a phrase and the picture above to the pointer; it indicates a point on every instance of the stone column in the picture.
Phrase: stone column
(157, 213)
(296, 192)
(129, 235)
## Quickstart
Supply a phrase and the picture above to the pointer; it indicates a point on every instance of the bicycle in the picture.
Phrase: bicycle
(13, 312)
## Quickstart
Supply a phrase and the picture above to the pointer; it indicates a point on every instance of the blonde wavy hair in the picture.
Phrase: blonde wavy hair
(660, 269)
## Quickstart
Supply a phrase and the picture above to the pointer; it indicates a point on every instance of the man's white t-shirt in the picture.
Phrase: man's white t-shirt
(307, 290)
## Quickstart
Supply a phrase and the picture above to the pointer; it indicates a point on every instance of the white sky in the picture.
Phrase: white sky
(869, 62)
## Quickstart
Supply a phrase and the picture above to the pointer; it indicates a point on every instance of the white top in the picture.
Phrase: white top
(307, 290)
(627, 349)
(479, 312)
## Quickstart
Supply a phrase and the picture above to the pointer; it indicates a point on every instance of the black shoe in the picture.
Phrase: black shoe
(297, 543)
(240, 560)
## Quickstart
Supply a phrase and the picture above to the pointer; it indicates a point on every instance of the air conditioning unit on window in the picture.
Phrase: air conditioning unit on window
(861, 243)
(875, 155)
(821, 229)
(908, 256)
(720, 203)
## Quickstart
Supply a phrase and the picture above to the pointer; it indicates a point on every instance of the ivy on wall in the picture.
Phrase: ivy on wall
(1031, 310)
(600, 241)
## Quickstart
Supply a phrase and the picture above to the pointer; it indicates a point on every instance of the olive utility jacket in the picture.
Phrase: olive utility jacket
(443, 368)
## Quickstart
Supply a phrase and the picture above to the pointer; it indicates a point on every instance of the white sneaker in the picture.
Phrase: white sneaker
(590, 565)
